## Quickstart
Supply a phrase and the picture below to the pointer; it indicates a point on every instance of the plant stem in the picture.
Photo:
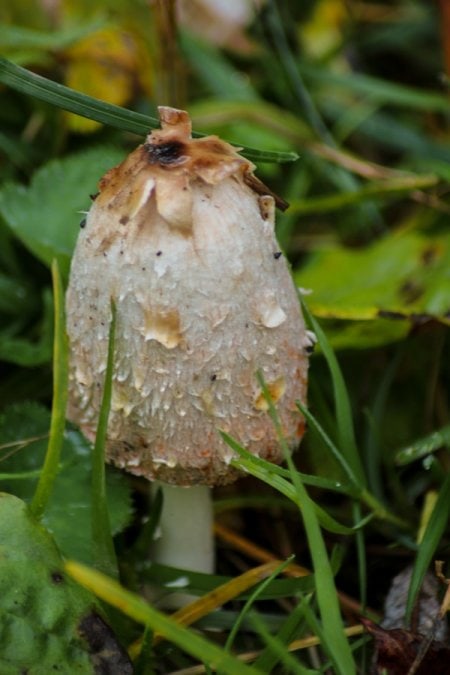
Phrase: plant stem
(58, 422)
(169, 80)
(186, 528)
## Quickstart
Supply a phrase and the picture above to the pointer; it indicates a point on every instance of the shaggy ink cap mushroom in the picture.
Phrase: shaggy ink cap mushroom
(181, 237)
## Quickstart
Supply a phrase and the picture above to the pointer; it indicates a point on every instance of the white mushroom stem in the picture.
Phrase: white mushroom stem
(185, 537)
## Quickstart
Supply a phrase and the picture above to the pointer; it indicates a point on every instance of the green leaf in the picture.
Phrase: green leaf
(16, 296)
(68, 514)
(400, 276)
(354, 334)
(41, 608)
(20, 37)
(45, 216)
(34, 350)
(375, 89)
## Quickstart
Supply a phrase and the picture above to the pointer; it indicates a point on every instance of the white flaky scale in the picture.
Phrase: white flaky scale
(181, 237)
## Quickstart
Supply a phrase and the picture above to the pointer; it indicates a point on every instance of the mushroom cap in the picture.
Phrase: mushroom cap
(181, 238)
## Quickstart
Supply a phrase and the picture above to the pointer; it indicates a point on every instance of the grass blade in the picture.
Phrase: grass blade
(251, 465)
(137, 609)
(251, 600)
(346, 434)
(381, 190)
(335, 640)
(60, 382)
(430, 541)
(31, 84)
(308, 479)
(281, 650)
(220, 595)
(59, 95)
(362, 494)
(103, 552)
(424, 446)
(269, 658)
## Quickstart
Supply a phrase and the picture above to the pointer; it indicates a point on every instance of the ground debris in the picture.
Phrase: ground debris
(419, 649)
(398, 650)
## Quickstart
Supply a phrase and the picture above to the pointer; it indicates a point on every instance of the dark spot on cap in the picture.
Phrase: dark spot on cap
(124, 220)
(57, 577)
(83, 223)
(165, 153)
(277, 255)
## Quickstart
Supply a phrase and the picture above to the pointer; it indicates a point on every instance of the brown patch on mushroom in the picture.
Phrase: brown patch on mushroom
(301, 428)
(276, 389)
(162, 326)
(267, 208)
(166, 154)
(176, 211)
(208, 403)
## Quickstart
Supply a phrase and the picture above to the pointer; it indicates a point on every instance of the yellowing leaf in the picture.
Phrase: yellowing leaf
(323, 32)
(400, 276)
(103, 65)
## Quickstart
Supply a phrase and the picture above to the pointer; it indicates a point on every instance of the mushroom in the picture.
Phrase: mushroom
(181, 237)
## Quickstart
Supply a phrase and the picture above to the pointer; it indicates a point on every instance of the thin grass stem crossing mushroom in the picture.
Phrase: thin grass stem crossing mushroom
(181, 237)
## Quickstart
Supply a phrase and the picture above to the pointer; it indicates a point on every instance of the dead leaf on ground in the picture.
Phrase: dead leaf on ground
(397, 649)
